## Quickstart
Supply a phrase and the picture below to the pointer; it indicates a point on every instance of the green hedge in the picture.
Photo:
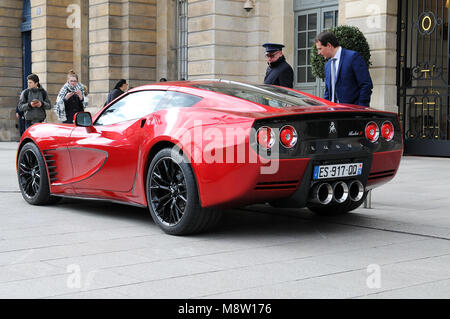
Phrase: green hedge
(349, 37)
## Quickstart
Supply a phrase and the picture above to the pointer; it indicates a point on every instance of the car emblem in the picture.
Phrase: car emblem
(332, 128)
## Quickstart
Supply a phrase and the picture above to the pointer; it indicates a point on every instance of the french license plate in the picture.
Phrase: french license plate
(337, 170)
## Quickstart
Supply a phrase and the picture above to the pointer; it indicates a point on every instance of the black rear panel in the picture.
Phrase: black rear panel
(331, 133)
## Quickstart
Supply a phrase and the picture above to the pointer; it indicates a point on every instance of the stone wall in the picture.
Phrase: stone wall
(378, 21)
(281, 27)
(51, 45)
(225, 41)
(166, 63)
(122, 44)
(10, 66)
(139, 42)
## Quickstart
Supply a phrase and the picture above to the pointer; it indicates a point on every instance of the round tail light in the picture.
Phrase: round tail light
(265, 137)
(372, 132)
(387, 131)
(288, 136)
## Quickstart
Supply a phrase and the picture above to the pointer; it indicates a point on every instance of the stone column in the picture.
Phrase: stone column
(166, 63)
(139, 42)
(225, 41)
(79, 23)
(10, 66)
(104, 41)
(377, 19)
(51, 45)
(281, 29)
(122, 44)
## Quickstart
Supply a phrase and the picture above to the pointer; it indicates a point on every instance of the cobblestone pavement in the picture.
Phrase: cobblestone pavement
(400, 248)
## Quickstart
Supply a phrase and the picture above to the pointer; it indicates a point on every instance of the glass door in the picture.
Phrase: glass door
(308, 24)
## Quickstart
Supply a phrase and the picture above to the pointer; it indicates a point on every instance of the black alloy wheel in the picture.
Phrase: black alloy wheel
(29, 174)
(32, 176)
(173, 198)
(169, 191)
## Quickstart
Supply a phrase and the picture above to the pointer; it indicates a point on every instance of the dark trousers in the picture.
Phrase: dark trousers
(29, 123)
(22, 127)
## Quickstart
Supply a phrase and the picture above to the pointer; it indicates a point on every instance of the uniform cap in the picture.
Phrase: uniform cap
(270, 47)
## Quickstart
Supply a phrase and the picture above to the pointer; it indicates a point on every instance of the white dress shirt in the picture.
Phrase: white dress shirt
(337, 56)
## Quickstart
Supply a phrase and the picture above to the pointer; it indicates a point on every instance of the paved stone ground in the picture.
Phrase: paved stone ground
(84, 249)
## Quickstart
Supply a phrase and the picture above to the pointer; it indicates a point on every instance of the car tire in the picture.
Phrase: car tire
(335, 209)
(173, 198)
(32, 176)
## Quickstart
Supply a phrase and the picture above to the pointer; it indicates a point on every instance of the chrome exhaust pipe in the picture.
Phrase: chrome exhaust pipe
(322, 194)
(356, 191)
(340, 192)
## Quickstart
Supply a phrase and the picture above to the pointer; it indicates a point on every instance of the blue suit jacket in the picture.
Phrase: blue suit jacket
(353, 84)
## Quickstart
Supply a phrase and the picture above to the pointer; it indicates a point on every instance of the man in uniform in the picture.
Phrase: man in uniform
(279, 72)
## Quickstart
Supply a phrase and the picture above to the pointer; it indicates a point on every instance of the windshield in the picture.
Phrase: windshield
(263, 94)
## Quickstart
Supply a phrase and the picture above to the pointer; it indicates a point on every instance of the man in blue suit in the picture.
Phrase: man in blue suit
(347, 78)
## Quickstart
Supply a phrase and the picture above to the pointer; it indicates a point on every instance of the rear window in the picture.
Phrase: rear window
(178, 99)
(263, 94)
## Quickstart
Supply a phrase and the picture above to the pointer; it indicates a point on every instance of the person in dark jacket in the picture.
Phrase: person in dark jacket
(279, 72)
(33, 102)
(119, 89)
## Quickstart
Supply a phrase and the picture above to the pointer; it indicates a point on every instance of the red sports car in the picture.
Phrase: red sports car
(187, 149)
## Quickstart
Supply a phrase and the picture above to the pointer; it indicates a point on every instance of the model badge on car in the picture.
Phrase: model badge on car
(354, 133)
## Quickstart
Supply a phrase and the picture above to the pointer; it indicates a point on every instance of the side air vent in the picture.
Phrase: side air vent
(383, 174)
(49, 159)
(277, 185)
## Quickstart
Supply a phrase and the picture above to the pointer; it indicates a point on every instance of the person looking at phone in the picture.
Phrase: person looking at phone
(71, 99)
(33, 102)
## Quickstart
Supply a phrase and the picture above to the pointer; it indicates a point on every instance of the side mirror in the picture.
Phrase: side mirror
(83, 119)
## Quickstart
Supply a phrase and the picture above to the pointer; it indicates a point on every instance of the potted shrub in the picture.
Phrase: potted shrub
(349, 37)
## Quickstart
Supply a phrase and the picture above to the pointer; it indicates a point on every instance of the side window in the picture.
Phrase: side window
(130, 107)
(178, 99)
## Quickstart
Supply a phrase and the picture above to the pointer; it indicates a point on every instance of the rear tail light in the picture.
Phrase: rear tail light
(387, 131)
(288, 136)
(265, 137)
(372, 132)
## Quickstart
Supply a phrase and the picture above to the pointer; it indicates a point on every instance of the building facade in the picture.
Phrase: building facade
(145, 40)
